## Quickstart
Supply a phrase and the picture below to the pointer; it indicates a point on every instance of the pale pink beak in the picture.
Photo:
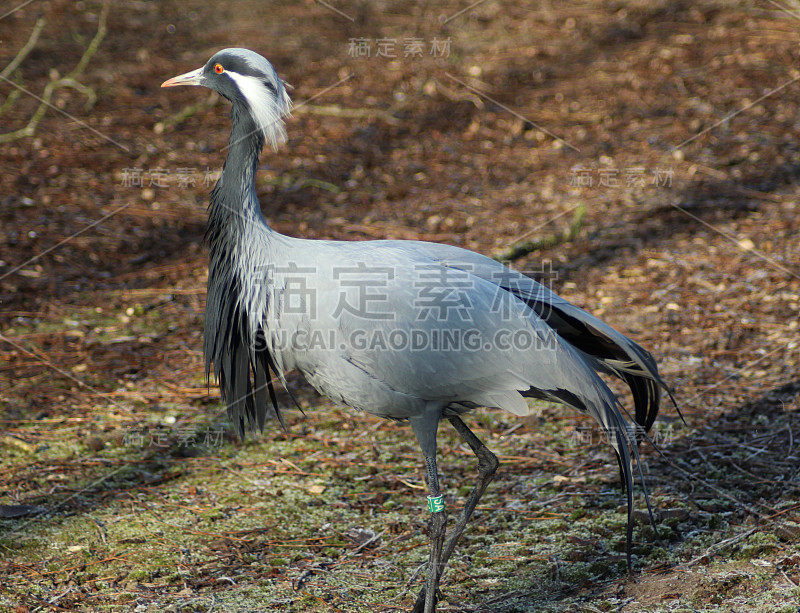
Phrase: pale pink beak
(195, 77)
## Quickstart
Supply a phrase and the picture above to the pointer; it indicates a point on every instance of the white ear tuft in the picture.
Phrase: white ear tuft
(266, 109)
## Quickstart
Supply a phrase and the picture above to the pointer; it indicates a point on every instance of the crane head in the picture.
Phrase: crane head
(249, 81)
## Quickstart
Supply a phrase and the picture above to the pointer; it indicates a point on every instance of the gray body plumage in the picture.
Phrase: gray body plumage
(400, 329)
(294, 299)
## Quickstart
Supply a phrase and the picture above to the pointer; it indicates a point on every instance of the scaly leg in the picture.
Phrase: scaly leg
(425, 426)
(487, 467)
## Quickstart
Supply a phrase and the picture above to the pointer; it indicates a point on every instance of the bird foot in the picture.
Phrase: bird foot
(419, 606)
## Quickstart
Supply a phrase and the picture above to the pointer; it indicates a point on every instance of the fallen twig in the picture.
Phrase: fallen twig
(69, 80)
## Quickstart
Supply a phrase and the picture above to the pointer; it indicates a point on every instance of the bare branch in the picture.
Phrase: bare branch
(70, 80)
(26, 49)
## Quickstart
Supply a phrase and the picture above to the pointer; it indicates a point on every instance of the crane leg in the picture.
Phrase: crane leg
(425, 427)
(487, 467)
(437, 526)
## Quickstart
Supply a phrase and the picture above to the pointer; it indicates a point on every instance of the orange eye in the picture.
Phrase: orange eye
(218, 68)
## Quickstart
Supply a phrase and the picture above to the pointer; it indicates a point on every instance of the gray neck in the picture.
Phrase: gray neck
(233, 201)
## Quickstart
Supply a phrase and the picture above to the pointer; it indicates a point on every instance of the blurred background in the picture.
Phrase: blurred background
(640, 157)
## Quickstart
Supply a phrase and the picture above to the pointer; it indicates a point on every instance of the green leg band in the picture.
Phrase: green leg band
(436, 504)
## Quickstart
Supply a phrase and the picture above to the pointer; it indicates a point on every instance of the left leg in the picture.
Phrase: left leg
(425, 427)
(487, 467)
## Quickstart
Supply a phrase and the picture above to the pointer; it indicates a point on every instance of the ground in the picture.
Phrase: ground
(641, 157)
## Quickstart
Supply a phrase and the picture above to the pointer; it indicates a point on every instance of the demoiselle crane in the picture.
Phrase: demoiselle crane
(406, 330)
